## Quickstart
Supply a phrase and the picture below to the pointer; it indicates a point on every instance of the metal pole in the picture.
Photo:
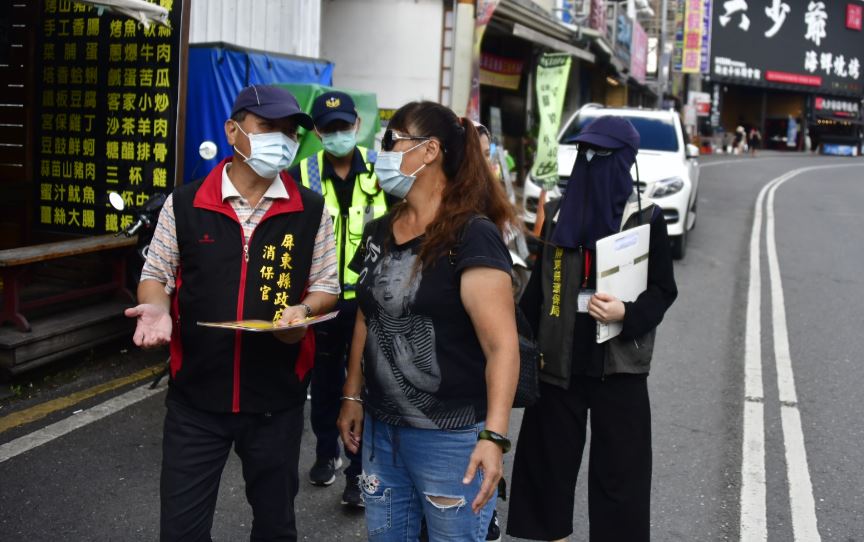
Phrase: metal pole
(661, 48)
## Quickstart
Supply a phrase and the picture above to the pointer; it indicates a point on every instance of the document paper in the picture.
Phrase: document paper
(266, 326)
(622, 270)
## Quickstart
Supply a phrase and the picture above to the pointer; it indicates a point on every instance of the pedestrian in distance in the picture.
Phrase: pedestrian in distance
(245, 242)
(579, 375)
(740, 141)
(343, 173)
(436, 332)
(754, 140)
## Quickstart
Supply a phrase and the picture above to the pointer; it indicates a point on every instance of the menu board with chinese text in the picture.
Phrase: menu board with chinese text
(106, 114)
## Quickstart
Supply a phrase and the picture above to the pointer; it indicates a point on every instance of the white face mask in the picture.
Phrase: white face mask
(269, 153)
(388, 169)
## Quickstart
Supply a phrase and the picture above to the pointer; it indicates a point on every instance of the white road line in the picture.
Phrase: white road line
(753, 525)
(75, 421)
(737, 161)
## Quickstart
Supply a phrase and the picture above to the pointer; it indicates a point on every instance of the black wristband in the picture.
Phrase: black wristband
(502, 441)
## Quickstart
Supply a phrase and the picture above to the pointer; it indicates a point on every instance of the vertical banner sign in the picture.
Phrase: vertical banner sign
(106, 113)
(552, 74)
(678, 51)
(484, 14)
(705, 61)
(638, 53)
(597, 16)
(691, 59)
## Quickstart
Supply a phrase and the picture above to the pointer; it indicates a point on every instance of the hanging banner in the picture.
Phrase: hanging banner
(553, 72)
(485, 9)
(108, 90)
(501, 72)
(705, 61)
(691, 57)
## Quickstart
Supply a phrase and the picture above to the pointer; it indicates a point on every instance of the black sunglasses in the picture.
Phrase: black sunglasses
(390, 138)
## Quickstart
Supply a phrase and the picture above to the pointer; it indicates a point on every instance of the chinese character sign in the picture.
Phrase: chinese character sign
(552, 74)
(691, 56)
(106, 111)
(797, 44)
(485, 9)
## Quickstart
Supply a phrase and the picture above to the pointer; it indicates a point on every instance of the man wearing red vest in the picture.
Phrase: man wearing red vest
(246, 242)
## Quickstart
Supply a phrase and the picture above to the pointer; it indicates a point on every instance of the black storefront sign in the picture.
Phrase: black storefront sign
(839, 108)
(106, 113)
(805, 45)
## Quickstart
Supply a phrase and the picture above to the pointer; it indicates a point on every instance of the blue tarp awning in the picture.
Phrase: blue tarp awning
(216, 72)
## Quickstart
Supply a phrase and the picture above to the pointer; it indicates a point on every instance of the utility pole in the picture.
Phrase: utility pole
(661, 49)
(463, 45)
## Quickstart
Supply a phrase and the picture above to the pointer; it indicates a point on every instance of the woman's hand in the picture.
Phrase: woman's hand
(350, 424)
(606, 308)
(292, 314)
(487, 456)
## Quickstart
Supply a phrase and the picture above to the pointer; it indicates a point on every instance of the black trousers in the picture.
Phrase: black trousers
(195, 447)
(332, 344)
(549, 453)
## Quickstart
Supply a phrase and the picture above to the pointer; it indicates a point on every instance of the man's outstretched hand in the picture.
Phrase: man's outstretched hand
(154, 325)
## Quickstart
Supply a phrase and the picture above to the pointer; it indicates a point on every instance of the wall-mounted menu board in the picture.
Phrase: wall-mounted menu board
(106, 114)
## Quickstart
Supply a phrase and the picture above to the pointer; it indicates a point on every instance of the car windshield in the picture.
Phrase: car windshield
(655, 134)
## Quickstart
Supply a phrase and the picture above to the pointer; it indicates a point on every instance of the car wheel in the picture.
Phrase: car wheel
(694, 213)
(679, 245)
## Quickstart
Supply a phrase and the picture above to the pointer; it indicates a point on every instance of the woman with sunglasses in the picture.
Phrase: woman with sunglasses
(578, 374)
(436, 334)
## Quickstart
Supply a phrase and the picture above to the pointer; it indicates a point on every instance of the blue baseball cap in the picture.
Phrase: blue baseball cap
(610, 132)
(333, 105)
(271, 103)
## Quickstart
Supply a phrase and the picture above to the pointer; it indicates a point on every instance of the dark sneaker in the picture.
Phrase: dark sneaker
(494, 532)
(351, 496)
(323, 472)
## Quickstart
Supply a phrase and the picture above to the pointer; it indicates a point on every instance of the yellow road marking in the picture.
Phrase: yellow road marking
(44, 409)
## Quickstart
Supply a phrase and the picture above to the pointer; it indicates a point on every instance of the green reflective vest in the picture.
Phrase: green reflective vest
(367, 203)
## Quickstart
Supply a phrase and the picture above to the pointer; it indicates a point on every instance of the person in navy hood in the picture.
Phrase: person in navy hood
(578, 376)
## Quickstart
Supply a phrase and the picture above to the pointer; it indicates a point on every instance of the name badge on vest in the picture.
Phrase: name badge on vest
(583, 299)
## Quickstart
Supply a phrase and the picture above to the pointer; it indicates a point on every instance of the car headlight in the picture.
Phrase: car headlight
(667, 187)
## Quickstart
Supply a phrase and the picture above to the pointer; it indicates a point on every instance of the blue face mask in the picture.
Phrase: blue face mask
(270, 153)
(339, 143)
(388, 169)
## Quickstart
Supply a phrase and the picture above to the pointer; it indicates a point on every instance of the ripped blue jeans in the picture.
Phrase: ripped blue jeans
(406, 470)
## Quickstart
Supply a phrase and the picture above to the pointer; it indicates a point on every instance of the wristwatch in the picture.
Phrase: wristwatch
(502, 441)
(307, 307)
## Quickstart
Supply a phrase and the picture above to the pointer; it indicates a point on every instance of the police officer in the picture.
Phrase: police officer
(343, 173)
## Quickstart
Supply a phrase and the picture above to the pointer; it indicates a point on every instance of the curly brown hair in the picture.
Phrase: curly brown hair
(471, 188)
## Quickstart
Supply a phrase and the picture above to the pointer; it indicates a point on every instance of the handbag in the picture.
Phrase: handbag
(528, 387)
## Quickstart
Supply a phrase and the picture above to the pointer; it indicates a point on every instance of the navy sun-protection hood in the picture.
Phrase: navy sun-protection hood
(598, 190)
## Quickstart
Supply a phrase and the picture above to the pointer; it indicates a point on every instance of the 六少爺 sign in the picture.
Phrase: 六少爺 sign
(792, 44)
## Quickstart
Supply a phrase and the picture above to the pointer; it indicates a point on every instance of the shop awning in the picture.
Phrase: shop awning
(533, 24)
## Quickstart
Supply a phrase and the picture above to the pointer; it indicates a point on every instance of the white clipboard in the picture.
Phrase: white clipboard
(622, 270)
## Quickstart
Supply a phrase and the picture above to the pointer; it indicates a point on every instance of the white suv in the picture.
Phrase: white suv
(668, 172)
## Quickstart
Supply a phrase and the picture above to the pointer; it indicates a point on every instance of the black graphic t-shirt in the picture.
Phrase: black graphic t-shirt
(422, 363)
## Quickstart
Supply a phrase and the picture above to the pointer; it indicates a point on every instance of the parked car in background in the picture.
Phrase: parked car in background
(666, 167)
